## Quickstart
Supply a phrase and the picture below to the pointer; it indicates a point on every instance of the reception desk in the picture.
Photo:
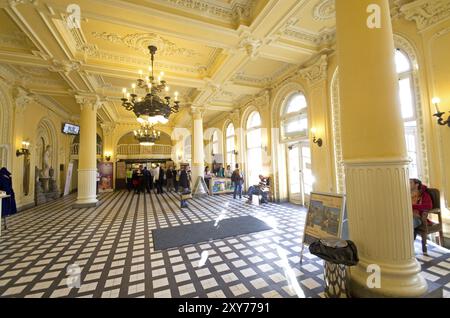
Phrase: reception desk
(220, 186)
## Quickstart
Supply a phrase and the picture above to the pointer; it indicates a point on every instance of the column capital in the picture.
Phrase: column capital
(197, 111)
(96, 102)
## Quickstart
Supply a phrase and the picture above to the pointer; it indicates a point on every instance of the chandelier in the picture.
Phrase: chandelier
(147, 135)
(150, 107)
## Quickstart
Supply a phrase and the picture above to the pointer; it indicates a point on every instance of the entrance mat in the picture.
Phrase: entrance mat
(203, 232)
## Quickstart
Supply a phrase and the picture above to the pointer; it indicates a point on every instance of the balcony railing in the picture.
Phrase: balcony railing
(138, 150)
(74, 149)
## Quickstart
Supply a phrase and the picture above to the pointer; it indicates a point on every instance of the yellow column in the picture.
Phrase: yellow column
(374, 151)
(87, 162)
(198, 154)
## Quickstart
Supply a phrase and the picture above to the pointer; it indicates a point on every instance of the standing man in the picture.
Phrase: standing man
(238, 179)
(147, 177)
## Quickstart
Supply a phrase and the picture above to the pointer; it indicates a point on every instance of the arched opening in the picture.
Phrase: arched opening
(230, 145)
(294, 132)
(254, 147)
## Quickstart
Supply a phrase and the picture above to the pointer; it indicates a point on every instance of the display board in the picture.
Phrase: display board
(221, 185)
(105, 170)
(326, 218)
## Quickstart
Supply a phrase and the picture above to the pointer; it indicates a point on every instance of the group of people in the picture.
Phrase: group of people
(156, 178)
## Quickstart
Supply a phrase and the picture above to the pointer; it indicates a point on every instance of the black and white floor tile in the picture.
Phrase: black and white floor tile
(111, 247)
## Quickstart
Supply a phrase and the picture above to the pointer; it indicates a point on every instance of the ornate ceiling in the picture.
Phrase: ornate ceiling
(216, 53)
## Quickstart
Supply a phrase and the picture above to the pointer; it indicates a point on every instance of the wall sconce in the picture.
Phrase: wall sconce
(108, 156)
(315, 140)
(439, 114)
(24, 150)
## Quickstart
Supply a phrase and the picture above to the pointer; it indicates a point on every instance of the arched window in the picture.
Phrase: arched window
(230, 146)
(294, 116)
(408, 107)
(187, 148)
(254, 148)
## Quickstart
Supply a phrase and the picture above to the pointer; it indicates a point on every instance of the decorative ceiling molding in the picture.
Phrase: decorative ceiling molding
(426, 12)
(325, 37)
(141, 41)
(262, 81)
(324, 10)
(237, 12)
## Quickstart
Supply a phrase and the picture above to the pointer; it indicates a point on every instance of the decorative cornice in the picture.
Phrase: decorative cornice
(426, 12)
(316, 72)
(141, 41)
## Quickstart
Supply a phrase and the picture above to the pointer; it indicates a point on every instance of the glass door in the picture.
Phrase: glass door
(300, 176)
(294, 171)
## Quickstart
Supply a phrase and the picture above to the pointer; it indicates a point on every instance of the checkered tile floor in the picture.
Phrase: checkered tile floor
(113, 247)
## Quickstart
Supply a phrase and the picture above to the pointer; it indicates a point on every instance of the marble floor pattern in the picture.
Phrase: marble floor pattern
(111, 246)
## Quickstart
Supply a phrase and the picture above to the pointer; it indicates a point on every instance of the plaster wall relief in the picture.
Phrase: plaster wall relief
(426, 12)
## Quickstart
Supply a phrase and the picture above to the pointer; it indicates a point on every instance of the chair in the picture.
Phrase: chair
(425, 229)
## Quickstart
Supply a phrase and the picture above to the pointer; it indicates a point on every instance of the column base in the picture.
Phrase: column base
(85, 205)
(403, 280)
(380, 224)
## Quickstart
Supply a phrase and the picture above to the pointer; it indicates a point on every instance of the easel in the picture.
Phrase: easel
(342, 220)
(200, 188)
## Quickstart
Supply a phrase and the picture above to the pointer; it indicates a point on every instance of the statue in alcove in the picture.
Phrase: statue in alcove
(46, 162)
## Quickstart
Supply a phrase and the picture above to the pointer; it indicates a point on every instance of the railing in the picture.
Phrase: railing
(136, 149)
(74, 149)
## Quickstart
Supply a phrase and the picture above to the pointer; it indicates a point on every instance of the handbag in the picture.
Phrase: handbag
(335, 251)
(186, 196)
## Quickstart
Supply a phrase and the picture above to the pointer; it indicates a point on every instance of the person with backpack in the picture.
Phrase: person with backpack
(238, 179)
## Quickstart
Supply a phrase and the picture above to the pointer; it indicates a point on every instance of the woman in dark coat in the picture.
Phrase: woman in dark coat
(8, 204)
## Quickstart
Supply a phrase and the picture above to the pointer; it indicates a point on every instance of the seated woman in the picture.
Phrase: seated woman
(421, 201)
